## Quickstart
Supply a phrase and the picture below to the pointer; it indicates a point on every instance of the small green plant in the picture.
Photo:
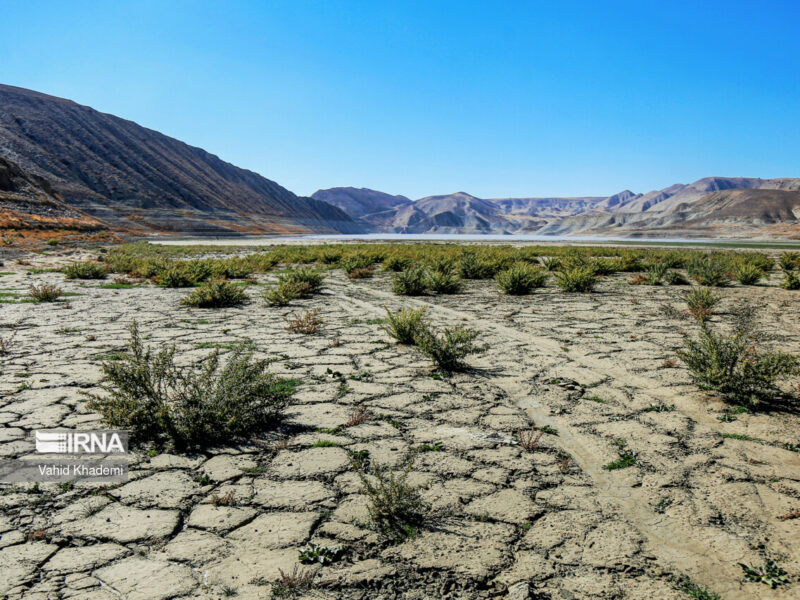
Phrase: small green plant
(443, 282)
(770, 573)
(436, 447)
(655, 273)
(551, 263)
(410, 282)
(732, 365)
(182, 275)
(203, 404)
(471, 266)
(449, 348)
(675, 278)
(396, 264)
(791, 281)
(396, 508)
(404, 326)
(576, 279)
(626, 459)
(45, 292)
(747, 273)
(85, 270)
(789, 261)
(314, 553)
(520, 279)
(216, 293)
(689, 587)
(701, 303)
(709, 271)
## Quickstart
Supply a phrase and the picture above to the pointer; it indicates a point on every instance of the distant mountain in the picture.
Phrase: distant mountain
(358, 202)
(137, 179)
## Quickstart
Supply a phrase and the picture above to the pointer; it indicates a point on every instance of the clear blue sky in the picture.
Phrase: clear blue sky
(498, 98)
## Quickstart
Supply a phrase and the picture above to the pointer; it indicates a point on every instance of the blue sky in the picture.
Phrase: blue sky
(498, 99)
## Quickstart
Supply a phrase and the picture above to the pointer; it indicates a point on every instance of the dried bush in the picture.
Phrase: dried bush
(45, 292)
(216, 293)
(307, 323)
(198, 405)
(396, 508)
(361, 273)
(521, 279)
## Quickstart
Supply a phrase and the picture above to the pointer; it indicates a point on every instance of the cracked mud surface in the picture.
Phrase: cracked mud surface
(594, 367)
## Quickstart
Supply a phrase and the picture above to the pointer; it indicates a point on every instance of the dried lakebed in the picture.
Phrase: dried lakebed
(590, 369)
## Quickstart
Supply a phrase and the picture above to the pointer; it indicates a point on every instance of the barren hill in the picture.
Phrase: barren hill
(135, 178)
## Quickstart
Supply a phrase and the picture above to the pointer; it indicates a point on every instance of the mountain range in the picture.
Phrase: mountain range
(68, 166)
(710, 207)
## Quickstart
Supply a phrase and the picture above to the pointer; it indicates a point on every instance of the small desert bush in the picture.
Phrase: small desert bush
(576, 279)
(396, 264)
(655, 273)
(791, 281)
(411, 282)
(734, 367)
(396, 508)
(701, 303)
(709, 271)
(443, 282)
(551, 263)
(85, 270)
(298, 283)
(789, 261)
(675, 278)
(308, 322)
(747, 273)
(404, 325)
(472, 266)
(361, 273)
(449, 348)
(442, 264)
(521, 279)
(182, 275)
(149, 394)
(355, 263)
(215, 293)
(45, 292)
(236, 267)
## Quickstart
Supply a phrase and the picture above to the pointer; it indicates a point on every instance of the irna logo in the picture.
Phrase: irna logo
(82, 442)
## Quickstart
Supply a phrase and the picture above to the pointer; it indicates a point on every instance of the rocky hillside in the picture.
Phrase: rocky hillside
(133, 178)
(359, 202)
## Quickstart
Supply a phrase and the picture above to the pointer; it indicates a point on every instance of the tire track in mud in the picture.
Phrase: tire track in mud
(680, 547)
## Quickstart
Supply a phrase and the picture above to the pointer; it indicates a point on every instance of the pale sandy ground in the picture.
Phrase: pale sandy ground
(505, 523)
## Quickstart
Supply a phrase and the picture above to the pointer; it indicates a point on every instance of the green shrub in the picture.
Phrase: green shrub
(182, 275)
(789, 261)
(701, 302)
(521, 279)
(204, 404)
(443, 282)
(85, 270)
(442, 264)
(448, 349)
(655, 272)
(46, 292)
(732, 366)
(551, 263)
(791, 281)
(576, 279)
(747, 273)
(411, 282)
(403, 326)
(396, 508)
(396, 264)
(308, 280)
(471, 266)
(355, 263)
(708, 271)
(215, 293)
(675, 278)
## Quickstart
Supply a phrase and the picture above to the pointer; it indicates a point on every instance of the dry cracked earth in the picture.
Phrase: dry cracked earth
(596, 371)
